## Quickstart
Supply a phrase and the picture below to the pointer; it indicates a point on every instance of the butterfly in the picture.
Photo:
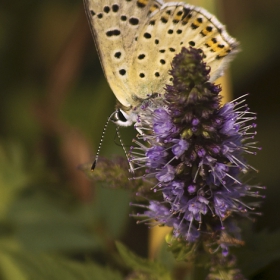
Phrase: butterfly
(137, 40)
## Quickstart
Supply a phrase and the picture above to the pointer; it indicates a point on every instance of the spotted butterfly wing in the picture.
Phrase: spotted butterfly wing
(115, 25)
(137, 40)
(174, 26)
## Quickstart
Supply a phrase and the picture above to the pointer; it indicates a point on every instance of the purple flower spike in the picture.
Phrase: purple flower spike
(193, 150)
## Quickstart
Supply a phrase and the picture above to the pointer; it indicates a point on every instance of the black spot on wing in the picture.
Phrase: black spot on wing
(164, 19)
(147, 35)
(122, 72)
(194, 26)
(141, 4)
(186, 12)
(115, 8)
(118, 55)
(141, 56)
(203, 33)
(106, 9)
(134, 21)
(114, 32)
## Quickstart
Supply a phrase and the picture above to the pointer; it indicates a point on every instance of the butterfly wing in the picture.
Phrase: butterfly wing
(115, 24)
(165, 32)
(137, 40)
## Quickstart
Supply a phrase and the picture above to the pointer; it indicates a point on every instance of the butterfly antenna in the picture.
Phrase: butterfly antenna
(100, 142)
(125, 152)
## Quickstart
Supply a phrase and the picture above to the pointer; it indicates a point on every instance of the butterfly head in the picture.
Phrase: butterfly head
(123, 117)
(126, 116)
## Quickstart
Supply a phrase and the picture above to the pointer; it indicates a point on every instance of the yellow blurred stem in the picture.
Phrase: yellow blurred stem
(157, 234)
(156, 237)
(225, 83)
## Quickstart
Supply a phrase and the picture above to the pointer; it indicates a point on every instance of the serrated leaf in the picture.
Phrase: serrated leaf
(136, 263)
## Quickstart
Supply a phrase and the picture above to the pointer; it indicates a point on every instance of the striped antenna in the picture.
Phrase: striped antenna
(125, 152)
(101, 141)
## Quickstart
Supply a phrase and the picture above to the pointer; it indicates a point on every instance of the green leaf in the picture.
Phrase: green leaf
(113, 209)
(166, 257)
(152, 269)
(13, 176)
(181, 250)
(9, 270)
(45, 267)
(42, 224)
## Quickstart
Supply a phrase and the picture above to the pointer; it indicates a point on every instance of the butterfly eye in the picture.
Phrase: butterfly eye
(121, 118)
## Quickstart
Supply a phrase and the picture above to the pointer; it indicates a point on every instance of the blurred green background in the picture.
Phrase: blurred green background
(54, 103)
